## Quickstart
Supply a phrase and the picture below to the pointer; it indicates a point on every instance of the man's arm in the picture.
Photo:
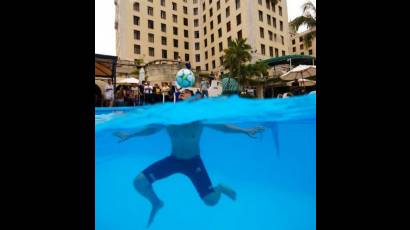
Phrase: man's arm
(149, 130)
(251, 132)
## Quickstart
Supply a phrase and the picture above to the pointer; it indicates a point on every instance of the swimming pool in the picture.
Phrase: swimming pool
(273, 175)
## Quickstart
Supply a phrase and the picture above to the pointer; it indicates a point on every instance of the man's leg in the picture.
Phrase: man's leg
(212, 198)
(144, 187)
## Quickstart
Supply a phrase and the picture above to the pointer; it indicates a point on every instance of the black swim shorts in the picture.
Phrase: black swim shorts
(192, 168)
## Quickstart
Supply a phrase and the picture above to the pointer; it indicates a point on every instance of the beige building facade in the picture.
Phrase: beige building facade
(197, 31)
(297, 45)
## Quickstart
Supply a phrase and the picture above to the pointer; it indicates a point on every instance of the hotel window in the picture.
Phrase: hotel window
(293, 41)
(294, 49)
(238, 20)
(196, 34)
(210, 2)
(186, 33)
(276, 52)
(186, 45)
(151, 38)
(301, 46)
(175, 43)
(211, 12)
(162, 2)
(300, 39)
(221, 47)
(262, 33)
(198, 68)
(211, 24)
(260, 16)
(187, 57)
(203, 6)
(270, 35)
(150, 24)
(195, 1)
(174, 6)
(218, 5)
(195, 11)
(175, 18)
(237, 4)
(164, 41)
(273, 7)
(205, 30)
(268, 4)
(260, 2)
(150, 1)
(204, 18)
(196, 23)
(229, 40)
(221, 60)
(150, 11)
(151, 51)
(212, 38)
(281, 26)
(137, 49)
(205, 43)
(176, 55)
(219, 18)
(185, 21)
(163, 15)
(206, 67)
(213, 64)
(164, 54)
(271, 51)
(310, 52)
(220, 32)
(284, 53)
(213, 51)
(163, 27)
(268, 19)
(137, 7)
(137, 35)
(196, 45)
(175, 30)
(280, 10)
(185, 10)
(282, 39)
(275, 37)
(136, 20)
(227, 12)
(206, 55)
(228, 26)
(197, 58)
(263, 49)
(274, 22)
(239, 34)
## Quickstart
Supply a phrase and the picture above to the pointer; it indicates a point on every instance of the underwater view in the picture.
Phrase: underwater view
(263, 151)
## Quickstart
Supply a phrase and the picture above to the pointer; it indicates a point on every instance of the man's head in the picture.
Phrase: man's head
(109, 81)
(185, 94)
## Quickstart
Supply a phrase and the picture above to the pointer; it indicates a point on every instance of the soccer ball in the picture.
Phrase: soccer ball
(185, 78)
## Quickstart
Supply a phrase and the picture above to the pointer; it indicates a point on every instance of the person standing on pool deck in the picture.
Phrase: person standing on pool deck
(185, 158)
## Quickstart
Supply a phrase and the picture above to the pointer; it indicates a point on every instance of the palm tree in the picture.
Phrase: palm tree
(308, 19)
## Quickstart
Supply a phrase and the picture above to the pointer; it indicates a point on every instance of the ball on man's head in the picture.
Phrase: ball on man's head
(185, 78)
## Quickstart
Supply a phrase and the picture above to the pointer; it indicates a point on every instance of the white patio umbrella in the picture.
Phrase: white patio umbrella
(127, 80)
(303, 82)
(299, 72)
(142, 75)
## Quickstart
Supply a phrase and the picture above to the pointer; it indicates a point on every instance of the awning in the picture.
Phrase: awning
(296, 60)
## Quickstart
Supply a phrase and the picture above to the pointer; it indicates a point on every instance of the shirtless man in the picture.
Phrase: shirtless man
(185, 158)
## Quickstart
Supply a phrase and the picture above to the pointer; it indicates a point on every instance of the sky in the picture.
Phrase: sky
(105, 17)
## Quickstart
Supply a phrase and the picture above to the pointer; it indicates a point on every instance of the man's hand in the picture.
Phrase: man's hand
(251, 132)
(122, 135)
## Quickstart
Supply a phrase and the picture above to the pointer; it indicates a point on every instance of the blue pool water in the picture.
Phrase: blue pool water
(273, 175)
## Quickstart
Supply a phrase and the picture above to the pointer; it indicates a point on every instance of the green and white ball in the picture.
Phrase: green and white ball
(185, 78)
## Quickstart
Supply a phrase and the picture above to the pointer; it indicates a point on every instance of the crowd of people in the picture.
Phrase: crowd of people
(146, 93)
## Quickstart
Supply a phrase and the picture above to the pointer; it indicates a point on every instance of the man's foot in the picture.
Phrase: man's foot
(227, 191)
(154, 211)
